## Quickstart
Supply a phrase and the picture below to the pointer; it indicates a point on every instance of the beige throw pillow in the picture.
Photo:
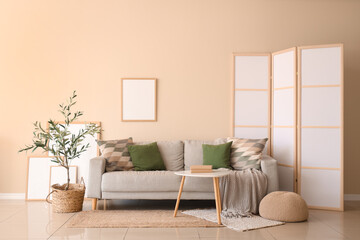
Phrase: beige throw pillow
(116, 154)
(246, 153)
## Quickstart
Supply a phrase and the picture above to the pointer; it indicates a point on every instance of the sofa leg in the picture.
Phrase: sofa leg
(94, 204)
(105, 202)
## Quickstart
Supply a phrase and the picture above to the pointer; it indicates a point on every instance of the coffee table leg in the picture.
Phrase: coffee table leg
(217, 198)
(218, 193)
(94, 204)
(179, 195)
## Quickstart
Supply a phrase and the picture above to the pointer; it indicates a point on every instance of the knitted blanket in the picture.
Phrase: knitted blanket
(241, 192)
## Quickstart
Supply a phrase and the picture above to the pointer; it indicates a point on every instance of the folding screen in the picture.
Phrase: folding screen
(283, 129)
(320, 121)
(251, 97)
(306, 117)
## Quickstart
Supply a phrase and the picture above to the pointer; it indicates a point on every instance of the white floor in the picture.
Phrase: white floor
(34, 220)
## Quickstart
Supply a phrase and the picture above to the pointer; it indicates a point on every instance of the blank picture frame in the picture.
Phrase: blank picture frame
(41, 174)
(139, 99)
(38, 175)
(83, 162)
(58, 175)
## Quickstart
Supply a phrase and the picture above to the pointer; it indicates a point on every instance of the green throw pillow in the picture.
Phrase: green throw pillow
(146, 157)
(217, 155)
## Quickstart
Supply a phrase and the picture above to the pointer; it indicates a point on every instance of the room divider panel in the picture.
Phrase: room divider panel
(251, 96)
(283, 129)
(320, 121)
(301, 112)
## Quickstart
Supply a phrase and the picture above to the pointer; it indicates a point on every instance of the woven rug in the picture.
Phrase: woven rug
(136, 219)
(238, 224)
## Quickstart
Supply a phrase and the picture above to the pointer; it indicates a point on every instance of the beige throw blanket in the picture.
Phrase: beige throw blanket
(241, 192)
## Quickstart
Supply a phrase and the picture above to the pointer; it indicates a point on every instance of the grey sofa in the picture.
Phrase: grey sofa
(177, 156)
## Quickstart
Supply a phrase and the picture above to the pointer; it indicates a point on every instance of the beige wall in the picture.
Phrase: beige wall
(50, 48)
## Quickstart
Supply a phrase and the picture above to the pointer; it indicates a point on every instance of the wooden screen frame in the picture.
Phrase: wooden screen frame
(268, 90)
(299, 126)
(294, 126)
(155, 101)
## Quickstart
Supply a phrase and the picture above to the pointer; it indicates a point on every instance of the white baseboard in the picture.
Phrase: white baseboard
(352, 197)
(12, 196)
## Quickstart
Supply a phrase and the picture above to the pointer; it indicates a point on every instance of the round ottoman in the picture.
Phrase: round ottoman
(284, 206)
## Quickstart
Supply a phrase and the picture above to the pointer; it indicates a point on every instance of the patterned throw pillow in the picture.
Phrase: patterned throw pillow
(116, 154)
(246, 153)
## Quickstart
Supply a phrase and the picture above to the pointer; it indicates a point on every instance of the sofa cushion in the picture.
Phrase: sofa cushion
(246, 153)
(217, 155)
(172, 152)
(193, 152)
(116, 154)
(140, 181)
(146, 157)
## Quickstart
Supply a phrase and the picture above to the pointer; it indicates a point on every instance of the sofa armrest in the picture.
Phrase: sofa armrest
(96, 170)
(269, 167)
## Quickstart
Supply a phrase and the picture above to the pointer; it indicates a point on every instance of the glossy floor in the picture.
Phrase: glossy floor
(34, 220)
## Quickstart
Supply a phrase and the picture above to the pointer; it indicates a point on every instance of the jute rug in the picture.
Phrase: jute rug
(238, 224)
(136, 219)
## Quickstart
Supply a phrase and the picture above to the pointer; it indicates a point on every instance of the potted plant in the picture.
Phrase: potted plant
(64, 147)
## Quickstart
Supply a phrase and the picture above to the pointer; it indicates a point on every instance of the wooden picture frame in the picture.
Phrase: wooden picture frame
(139, 99)
(37, 182)
(54, 171)
(73, 174)
(83, 162)
(98, 137)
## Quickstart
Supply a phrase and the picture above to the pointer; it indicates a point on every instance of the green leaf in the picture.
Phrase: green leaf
(65, 145)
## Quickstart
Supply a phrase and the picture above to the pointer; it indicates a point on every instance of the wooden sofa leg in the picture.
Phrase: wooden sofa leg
(94, 204)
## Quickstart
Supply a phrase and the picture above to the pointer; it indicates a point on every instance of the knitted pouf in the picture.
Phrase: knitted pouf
(284, 206)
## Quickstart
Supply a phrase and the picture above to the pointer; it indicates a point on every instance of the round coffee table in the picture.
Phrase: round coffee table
(215, 174)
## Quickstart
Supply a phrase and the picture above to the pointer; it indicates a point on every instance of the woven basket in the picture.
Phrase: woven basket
(67, 201)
